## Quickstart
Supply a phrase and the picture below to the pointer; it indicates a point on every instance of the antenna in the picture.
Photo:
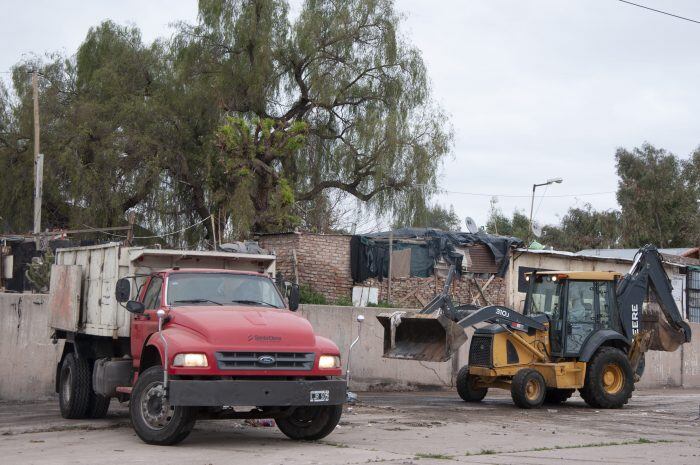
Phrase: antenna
(471, 225)
(536, 229)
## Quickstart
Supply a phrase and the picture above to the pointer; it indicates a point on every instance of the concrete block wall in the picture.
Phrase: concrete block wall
(27, 356)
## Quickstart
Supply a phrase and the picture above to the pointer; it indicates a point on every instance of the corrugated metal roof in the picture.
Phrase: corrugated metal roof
(627, 254)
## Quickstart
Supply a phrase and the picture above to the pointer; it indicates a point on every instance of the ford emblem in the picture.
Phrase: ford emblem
(266, 360)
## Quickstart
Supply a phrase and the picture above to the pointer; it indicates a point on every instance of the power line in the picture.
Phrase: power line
(154, 236)
(524, 196)
(659, 11)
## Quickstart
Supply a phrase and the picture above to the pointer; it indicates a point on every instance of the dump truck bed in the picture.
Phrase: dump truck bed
(83, 281)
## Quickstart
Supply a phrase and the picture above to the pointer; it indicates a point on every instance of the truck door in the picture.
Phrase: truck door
(144, 325)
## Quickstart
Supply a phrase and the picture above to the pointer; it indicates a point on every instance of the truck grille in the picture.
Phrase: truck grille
(265, 360)
(480, 351)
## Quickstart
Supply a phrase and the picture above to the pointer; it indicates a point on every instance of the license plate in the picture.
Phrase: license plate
(320, 396)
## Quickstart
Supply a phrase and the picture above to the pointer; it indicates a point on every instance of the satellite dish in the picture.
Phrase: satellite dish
(471, 225)
(536, 229)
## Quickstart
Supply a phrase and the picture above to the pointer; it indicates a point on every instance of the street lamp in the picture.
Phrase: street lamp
(532, 203)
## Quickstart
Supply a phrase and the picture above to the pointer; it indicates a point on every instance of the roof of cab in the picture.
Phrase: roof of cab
(586, 275)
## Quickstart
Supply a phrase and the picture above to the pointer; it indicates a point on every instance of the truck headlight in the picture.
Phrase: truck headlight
(329, 361)
(190, 360)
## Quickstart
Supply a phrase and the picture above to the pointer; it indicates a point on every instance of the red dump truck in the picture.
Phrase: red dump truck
(183, 335)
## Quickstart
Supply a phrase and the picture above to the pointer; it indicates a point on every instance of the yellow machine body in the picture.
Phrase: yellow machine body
(495, 358)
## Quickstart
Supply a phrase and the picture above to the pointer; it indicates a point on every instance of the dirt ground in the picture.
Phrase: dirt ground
(660, 426)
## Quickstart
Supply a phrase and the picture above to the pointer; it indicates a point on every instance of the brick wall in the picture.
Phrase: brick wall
(323, 261)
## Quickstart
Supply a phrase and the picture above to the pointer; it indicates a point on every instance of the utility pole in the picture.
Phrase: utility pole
(38, 162)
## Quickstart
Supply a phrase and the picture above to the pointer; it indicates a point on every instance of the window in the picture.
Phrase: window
(222, 288)
(152, 299)
(580, 314)
(693, 289)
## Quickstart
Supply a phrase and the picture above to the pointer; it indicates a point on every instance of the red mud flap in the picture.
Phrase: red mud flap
(268, 393)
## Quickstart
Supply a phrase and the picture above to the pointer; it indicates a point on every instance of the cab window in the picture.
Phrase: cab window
(152, 298)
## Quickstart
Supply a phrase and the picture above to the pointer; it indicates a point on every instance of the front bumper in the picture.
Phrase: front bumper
(265, 393)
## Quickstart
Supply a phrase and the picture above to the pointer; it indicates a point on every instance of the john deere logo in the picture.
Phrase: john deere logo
(266, 360)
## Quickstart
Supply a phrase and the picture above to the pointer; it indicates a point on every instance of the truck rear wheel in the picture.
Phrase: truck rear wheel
(609, 379)
(466, 386)
(74, 387)
(98, 406)
(153, 418)
(311, 423)
(528, 388)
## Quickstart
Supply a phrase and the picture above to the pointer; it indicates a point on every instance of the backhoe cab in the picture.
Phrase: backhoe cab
(579, 330)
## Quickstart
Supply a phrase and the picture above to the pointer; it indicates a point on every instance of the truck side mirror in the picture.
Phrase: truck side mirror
(135, 307)
(294, 298)
(122, 290)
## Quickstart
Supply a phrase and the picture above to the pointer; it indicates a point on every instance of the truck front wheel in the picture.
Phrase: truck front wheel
(311, 423)
(153, 418)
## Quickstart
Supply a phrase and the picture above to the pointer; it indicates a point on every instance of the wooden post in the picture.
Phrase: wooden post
(391, 250)
(213, 230)
(294, 263)
(38, 161)
(130, 233)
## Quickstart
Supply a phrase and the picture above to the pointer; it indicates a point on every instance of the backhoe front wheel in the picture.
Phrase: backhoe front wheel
(528, 388)
(466, 386)
(153, 418)
(609, 379)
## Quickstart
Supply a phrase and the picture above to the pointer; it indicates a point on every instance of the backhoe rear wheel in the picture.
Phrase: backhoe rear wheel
(609, 379)
(528, 388)
(466, 386)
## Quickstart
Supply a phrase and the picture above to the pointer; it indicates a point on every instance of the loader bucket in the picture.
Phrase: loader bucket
(418, 336)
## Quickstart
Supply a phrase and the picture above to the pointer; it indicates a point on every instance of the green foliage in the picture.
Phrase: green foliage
(516, 226)
(380, 304)
(434, 216)
(658, 194)
(39, 272)
(308, 296)
(584, 228)
(343, 301)
(246, 115)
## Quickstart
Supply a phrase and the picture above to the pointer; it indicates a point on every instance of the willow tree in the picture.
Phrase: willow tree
(343, 70)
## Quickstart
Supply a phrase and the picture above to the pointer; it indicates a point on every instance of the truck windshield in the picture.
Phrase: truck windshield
(545, 299)
(222, 289)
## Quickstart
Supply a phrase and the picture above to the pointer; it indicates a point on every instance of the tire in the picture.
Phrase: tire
(153, 419)
(465, 386)
(557, 396)
(311, 423)
(609, 379)
(98, 406)
(528, 389)
(74, 387)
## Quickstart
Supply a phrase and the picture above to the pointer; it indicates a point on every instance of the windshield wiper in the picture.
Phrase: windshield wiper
(254, 302)
(196, 301)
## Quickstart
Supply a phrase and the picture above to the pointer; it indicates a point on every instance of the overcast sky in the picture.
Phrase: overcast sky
(535, 89)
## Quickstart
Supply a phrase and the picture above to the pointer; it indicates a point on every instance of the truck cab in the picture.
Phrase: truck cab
(202, 343)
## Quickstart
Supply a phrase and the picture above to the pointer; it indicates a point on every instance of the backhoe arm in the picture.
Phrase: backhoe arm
(647, 272)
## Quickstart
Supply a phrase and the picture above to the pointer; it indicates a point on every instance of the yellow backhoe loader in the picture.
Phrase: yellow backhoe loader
(579, 330)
